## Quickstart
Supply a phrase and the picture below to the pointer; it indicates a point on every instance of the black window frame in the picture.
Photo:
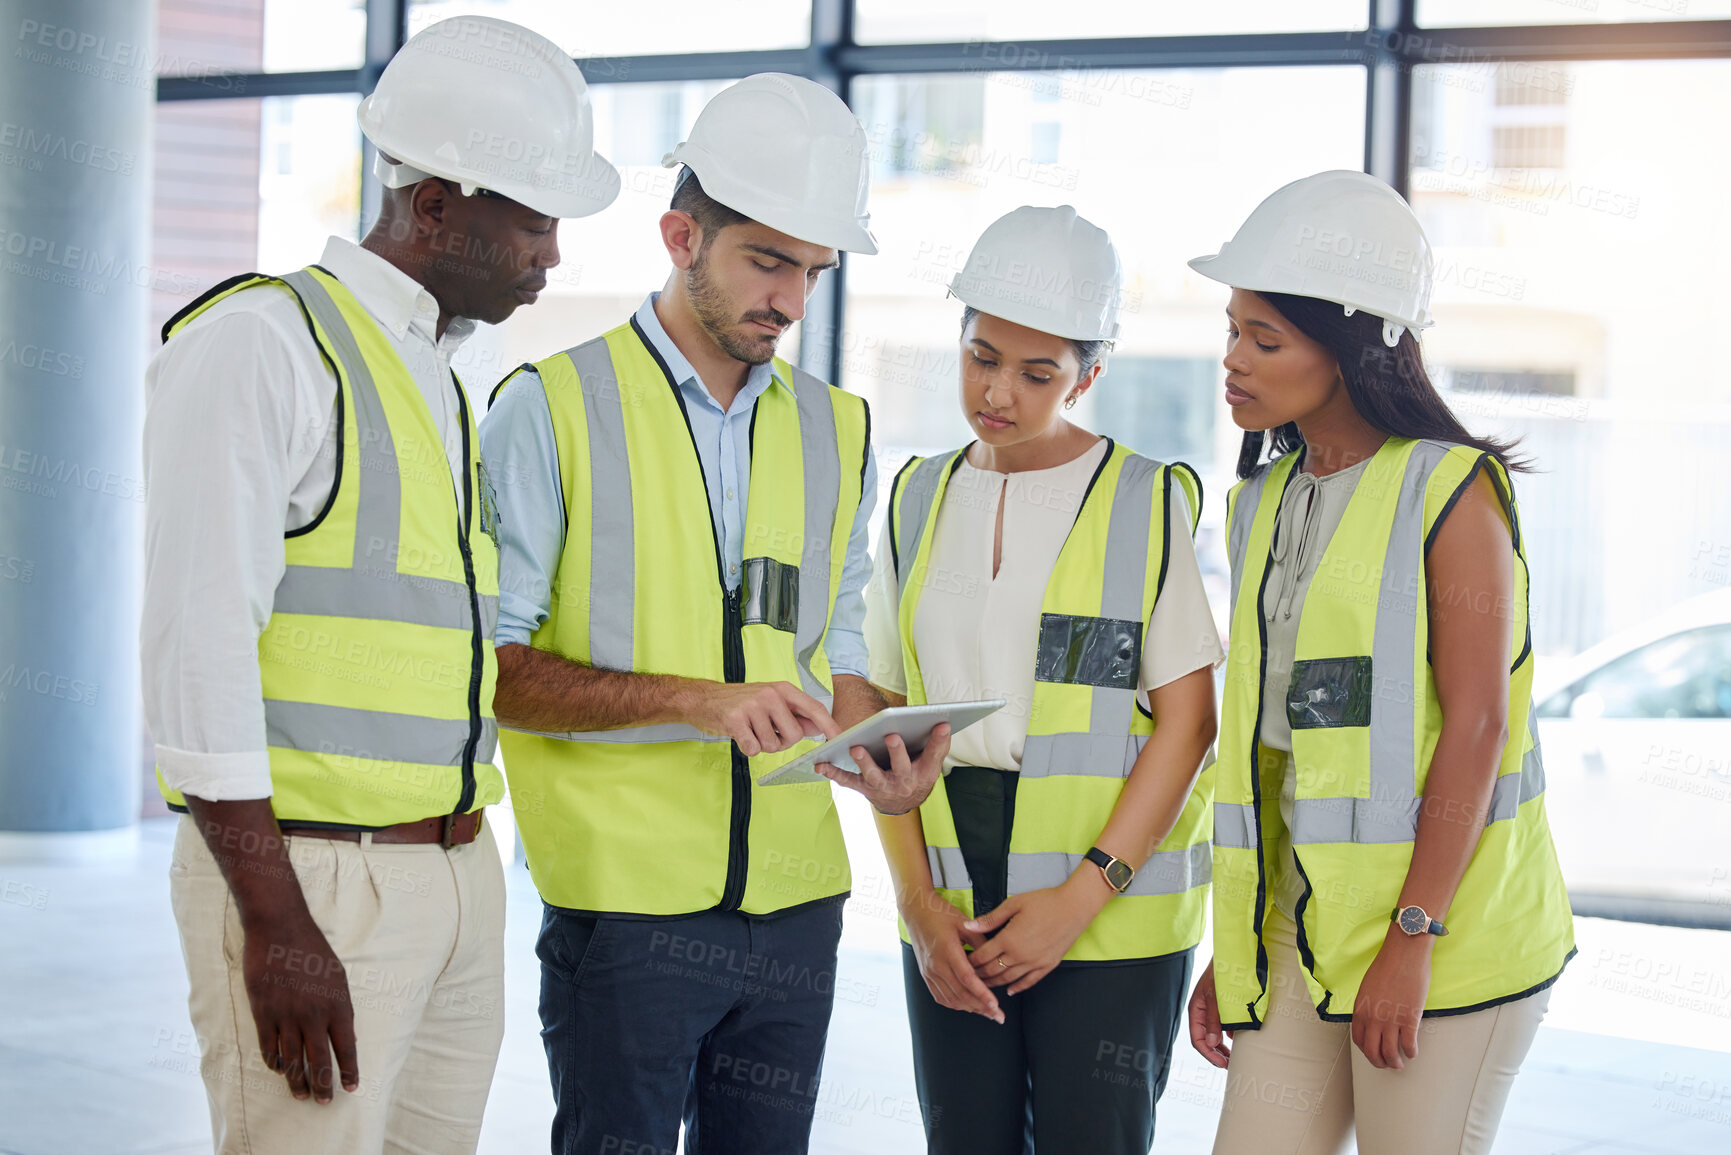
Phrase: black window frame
(1389, 47)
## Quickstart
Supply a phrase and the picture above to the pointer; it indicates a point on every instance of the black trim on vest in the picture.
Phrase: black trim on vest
(477, 667)
(865, 453)
(1255, 757)
(1448, 1012)
(1165, 531)
(1201, 493)
(215, 290)
(1098, 470)
(507, 379)
(894, 517)
(732, 658)
(636, 916)
(331, 363)
(1507, 497)
(1449, 505)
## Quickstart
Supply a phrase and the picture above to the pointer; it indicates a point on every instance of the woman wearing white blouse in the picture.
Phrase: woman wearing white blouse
(1052, 885)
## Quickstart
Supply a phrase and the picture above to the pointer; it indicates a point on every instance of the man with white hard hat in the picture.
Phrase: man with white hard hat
(321, 589)
(682, 551)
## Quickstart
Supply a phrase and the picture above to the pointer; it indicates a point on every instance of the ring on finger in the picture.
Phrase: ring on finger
(1003, 962)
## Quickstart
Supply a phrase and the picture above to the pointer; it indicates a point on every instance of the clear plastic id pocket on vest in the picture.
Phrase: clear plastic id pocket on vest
(1329, 692)
(1080, 651)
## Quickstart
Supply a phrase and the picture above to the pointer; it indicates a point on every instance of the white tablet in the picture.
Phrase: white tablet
(911, 723)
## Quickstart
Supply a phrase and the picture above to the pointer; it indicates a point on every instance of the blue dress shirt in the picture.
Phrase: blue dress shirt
(522, 461)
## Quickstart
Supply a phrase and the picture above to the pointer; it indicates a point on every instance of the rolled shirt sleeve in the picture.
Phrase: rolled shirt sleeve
(221, 456)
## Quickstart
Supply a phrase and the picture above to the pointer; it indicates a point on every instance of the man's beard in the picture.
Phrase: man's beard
(715, 313)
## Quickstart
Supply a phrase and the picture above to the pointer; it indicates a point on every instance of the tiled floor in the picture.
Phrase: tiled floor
(96, 1056)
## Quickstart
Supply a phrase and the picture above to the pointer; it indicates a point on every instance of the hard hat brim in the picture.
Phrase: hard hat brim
(1221, 268)
(814, 230)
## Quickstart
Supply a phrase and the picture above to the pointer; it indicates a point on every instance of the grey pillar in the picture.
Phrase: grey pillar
(77, 90)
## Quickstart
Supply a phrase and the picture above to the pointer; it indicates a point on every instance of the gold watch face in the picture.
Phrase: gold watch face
(1414, 920)
(1119, 875)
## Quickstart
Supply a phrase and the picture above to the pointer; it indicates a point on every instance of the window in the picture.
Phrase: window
(594, 30)
(248, 184)
(1148, 156)
(195, 37)
(1564, 277)
(918, 21)
(1455, 13)
(1687, 675)
(1527, 146)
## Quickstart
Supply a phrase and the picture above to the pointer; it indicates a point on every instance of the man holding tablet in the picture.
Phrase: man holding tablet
(683, 529)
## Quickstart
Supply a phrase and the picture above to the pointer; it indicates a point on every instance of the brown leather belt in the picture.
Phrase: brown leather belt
(445, 830)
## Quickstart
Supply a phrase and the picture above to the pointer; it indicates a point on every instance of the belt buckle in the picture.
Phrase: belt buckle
(449, 829)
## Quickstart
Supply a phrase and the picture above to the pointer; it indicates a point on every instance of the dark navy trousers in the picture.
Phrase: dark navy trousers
(717, 1020)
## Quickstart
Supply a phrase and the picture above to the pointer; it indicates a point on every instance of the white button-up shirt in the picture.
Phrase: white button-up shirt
(240, 446)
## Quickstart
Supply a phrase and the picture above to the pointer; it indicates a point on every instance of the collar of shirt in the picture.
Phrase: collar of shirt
(757, 378)
(395, 299)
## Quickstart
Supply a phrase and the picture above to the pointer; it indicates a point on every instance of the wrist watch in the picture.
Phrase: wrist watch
(1119, 874)
(1414, 921)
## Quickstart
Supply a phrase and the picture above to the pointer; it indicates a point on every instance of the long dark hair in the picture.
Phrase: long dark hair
(1389, 387)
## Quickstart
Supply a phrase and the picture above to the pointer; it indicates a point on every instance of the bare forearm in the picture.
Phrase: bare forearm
(904, 843)
(542, 691)
(1452, 813)
(249, 849)
(855, 700)
(1165, 772)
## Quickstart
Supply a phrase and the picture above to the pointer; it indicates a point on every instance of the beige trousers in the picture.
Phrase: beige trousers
(1298, 1086)
(420, 932)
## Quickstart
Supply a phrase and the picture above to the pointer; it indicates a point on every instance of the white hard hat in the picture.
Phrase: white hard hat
(1338, 236)
(1048, 269)
(786, 152)
(490, 105)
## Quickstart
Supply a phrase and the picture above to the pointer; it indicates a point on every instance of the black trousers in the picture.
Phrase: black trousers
(1082, 1056)
(1075, 1070)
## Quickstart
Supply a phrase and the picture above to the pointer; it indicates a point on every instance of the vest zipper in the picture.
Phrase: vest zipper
(732, 656)
(466, 797)
(739, 828)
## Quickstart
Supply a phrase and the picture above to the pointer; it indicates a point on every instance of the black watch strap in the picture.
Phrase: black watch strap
(1119, 874)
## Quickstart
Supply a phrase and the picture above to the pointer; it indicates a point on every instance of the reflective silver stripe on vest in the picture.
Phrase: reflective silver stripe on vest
(628, 735)
(1079, 753)
(372, 588)
(1393, 736)
(370, 734)
(1166, 872)
(1107, 749)
(771, 594)
(1122, 586)
(613, 570)
(914, 508)
(1362, 820)
(949, 871)
(821, 461)
(1238, 533)
(1235, 825)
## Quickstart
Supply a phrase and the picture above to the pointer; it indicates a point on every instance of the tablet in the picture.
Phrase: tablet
(911, 723)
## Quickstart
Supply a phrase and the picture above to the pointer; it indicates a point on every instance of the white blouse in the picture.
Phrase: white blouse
(978, 634)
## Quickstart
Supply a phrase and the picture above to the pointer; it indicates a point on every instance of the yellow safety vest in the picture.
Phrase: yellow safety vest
(667, 820)
(377, 661)
(1085, 728)
(1365, 721)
